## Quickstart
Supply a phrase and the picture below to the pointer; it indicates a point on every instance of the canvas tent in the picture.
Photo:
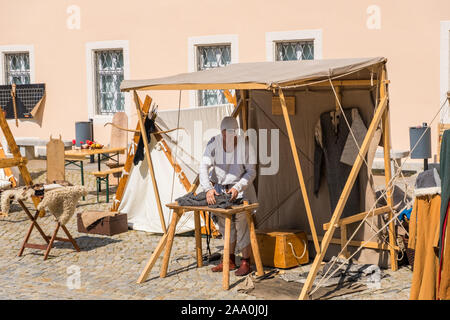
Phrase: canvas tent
(139, 200)
(286, 198)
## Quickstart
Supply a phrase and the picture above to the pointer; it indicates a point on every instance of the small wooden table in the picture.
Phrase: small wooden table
(72, 156)
(167, 239)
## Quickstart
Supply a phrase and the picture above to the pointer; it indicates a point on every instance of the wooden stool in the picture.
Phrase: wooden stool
(167, 239)
(48, 239)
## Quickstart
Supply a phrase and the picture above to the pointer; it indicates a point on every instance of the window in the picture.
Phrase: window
(206, 52)
(209, 57)
(109, 73)
(294, 50)
(294, 45)
(17, 68)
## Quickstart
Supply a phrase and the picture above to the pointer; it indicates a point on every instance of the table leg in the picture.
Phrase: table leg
(165, 263)
(254, 243)
(98, 165)
(198, 239)
(82, 175)
(226, 255)
(107, 188)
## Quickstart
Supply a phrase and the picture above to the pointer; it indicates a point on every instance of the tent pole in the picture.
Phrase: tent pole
(130, 156)
(387, 172)
(343, 198)
(244, 110)
(149, 159)
(299, 171)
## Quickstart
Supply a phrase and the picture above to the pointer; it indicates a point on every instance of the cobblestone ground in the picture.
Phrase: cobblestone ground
(109, 266)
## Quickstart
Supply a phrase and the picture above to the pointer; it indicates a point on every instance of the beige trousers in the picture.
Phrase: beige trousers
(239, 230)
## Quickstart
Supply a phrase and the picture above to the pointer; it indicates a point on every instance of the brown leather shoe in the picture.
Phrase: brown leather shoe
(244, 269)
(219, 267)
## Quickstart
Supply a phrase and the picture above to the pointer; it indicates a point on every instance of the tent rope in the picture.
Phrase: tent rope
(390, 186)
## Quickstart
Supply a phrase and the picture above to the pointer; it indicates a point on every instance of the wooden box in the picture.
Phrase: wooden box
(107, 226)
(276, 248)
(276, 106)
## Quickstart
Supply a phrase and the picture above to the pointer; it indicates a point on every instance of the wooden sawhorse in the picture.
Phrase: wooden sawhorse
(49, 240)
(167, 239)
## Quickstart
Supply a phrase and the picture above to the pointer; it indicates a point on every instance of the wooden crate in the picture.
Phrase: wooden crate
(109, 226)
(276, 251)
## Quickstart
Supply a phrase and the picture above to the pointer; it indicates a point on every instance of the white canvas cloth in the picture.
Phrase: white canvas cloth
(139, 202)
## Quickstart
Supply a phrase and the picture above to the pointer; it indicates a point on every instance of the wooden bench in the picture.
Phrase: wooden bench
(104, 176)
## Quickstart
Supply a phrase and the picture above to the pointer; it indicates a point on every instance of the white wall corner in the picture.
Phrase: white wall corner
(91, 47)
(444, 67)
(17, 48)
(193, 42)
(295, 35)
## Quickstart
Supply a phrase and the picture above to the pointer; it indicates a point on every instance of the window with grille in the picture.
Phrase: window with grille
(294, 50)
(108, 76)
(17, 68)
(209, 57)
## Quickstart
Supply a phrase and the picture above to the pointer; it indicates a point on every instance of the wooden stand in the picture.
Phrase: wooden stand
(48, 239)
(166, 241)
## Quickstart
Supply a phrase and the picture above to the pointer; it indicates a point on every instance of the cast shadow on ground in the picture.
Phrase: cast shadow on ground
(86, 243)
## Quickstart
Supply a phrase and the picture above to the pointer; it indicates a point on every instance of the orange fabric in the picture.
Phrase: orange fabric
(444, 286)
(424, 238)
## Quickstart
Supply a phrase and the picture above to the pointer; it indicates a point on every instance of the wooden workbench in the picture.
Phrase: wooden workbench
(167, 239)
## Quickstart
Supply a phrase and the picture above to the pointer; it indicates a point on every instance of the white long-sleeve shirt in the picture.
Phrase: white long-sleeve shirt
(236, 169)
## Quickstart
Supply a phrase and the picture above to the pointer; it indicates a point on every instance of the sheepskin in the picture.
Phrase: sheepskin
(62, 202)
(23, 193)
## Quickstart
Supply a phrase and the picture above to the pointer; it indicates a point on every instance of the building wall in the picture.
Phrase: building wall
(157, 34)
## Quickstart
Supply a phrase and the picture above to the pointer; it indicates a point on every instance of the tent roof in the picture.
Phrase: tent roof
(255, 75)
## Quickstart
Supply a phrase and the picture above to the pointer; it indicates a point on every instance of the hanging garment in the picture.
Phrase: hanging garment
(424, 236)
(149, 126)
(331, 138)
(444, 260)
(444, 240)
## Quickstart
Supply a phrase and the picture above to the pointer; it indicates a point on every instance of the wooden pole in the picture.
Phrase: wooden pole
(151, 262)
(149, 160)
(244, 111)
(173, 224)
(387, 172)
(299, 171)
(343, 198)
(16, 153)
(130, 157)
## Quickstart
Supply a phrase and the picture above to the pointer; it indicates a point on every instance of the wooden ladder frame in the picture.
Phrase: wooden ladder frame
(17, 160)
